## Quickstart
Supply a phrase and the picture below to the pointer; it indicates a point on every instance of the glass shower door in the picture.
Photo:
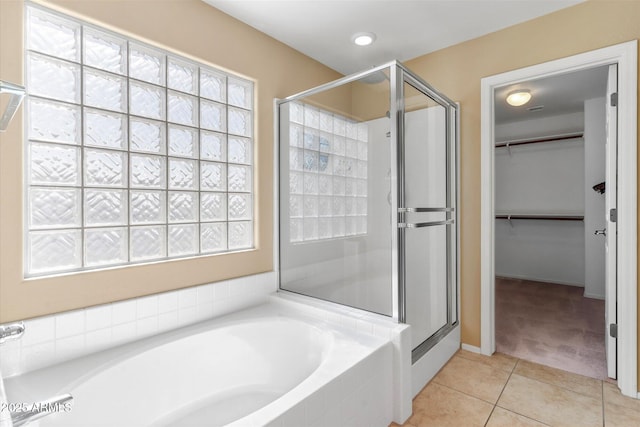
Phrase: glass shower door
(427, 214)
(367, 199)
(335, 223)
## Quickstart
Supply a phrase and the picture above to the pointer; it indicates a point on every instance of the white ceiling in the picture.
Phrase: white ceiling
(560, 94)
(405, 29)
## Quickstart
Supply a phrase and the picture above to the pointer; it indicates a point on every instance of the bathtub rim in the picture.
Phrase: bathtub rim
(159, 342)
(43, 383)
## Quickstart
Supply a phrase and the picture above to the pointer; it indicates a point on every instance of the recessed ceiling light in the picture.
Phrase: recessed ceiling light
(519, 97)
(363, 39)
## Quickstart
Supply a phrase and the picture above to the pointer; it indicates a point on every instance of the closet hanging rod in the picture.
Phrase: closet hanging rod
(539, 140)
(543, 217)
(17, 93)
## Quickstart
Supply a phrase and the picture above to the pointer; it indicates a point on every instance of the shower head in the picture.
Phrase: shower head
(375, 78)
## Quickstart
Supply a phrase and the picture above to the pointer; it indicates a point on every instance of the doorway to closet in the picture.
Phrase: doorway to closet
(552, 196)
(624, 295)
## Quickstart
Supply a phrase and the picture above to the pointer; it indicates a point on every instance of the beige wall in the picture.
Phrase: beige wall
(457, 71)
(193, 28)
(188, 27)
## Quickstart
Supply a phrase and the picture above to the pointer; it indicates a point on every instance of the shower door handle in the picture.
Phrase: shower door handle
(407, 210)
(423, 224)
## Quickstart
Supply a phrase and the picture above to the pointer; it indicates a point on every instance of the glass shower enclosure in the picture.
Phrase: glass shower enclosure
(367, 198)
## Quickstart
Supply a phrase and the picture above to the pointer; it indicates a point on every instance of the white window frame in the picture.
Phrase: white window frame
(246, 222)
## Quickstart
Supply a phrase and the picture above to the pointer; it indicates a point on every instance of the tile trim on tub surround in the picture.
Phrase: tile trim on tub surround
(49, 340)
(372, 324)
(349, 317)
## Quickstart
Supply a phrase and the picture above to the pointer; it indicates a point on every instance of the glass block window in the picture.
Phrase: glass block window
(327, 174)
(133, 153)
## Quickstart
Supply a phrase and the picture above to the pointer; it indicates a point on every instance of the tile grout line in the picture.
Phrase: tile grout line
(543, 382)
(502, 391)
(489, 417)
(486, 364)
(510, 410)
(602, 403)
(558, 386)
(434, 380)
(462, 392)
(562, 386)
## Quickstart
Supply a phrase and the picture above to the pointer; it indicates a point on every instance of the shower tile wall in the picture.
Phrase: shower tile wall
(54, 339)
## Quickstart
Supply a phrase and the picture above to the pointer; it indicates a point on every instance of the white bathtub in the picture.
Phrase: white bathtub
(268, 365)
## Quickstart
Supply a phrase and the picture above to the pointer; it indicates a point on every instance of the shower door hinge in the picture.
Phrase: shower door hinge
(613, 330)
(614, 99)
(613, 215)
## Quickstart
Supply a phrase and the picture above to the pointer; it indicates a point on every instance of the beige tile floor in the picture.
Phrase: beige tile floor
(501, 390)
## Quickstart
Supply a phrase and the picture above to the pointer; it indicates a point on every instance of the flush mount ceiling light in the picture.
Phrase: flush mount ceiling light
(518, 97)
(363, 39)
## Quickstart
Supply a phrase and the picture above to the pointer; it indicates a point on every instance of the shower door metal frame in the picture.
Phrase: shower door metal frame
(392, 67)
(398, 75)
(403, 75)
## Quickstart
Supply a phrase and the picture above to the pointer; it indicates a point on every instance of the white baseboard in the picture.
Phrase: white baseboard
(594, 296)
(538, 279)
(471, 348)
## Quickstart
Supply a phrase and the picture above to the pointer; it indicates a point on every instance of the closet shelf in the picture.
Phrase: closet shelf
(544, 217)
(550, 138)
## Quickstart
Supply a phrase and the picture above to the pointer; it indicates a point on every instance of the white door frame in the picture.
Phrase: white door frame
(611, 227)
(625, 55)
